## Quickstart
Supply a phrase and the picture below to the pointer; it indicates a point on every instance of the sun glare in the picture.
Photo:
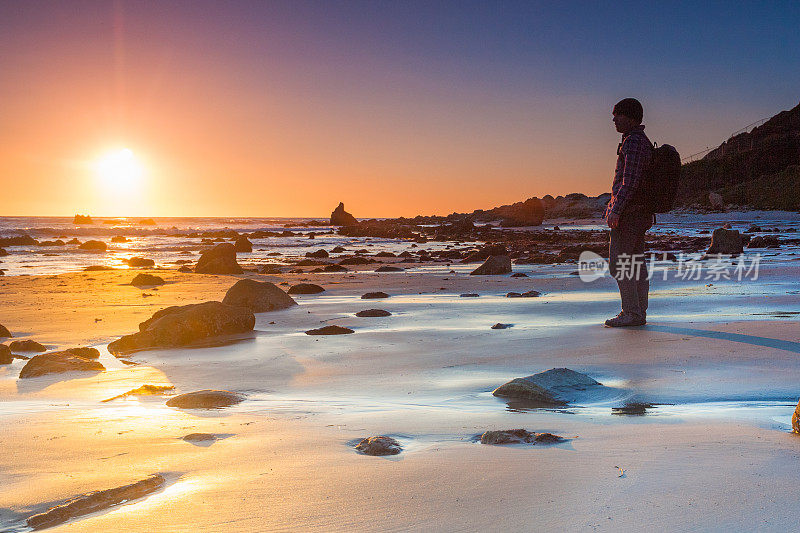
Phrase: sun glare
(119, 169)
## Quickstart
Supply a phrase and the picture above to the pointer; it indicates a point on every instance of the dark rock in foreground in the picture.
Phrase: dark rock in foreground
(374, 295)
(726, 241)
(147, 280)
(186, 324)
(6, 357)
(519, 436)
(4, 331)
(26, 346)
(96, 501)
(373, 313)
(72, 360)
(221, 259)
(205, 399)
(494, 265)
(340, 217)
(305, 288)
(329, 330)
(554, 387)
(136, 262)
(257, 296)
(380, 445)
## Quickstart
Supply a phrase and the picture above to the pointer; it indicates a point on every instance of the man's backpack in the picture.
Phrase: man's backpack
(659, 184)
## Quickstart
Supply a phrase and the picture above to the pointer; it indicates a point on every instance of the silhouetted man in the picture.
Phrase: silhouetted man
(627, 218)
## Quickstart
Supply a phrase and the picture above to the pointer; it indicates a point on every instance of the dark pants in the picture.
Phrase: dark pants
(627, 263)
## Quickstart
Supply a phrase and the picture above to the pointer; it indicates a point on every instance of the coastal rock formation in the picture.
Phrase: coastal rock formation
(374, 295)
(205, 399)
(137, 262)
(186, 324)
(726, 241)
(4, 331)
(519, 436)
(82, 219)
(93, 246)
(319, 254)
(764, 241)
(119, 238)
(26, 346)
(305, 288)
(329, 330)
(553, 387)
(257, 296)
(243, 245)
(494, 265)
(6, 357)
(380, 445)
(147, 280)
(77, 359)
(486, 252)
(221, 259)
(19, 240)
(527, 213)
(96, 501)
(340, 217)
(373, 313)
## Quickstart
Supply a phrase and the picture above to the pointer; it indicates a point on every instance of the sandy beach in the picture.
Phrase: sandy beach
(718, 361)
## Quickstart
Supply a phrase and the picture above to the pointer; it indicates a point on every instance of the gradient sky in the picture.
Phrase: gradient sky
(396, 108)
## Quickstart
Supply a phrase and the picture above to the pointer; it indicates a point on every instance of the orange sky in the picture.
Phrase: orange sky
(258, 112)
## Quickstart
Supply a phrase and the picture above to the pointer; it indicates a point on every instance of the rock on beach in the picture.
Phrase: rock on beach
(379, 445)
(494, 265)
(553, 387)
(221, 259)
(26, 346)
(205, 399)
(330, 330)
(147, 280)
(258, 296)
(305, 288)
(186, 324)
(76, 359)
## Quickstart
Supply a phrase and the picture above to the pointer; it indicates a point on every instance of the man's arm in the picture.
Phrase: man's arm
(635, 158)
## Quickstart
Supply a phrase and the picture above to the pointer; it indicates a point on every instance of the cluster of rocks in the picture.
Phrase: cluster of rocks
(519, 436)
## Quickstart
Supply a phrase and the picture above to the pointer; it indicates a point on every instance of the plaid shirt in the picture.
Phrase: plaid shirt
(633, 156)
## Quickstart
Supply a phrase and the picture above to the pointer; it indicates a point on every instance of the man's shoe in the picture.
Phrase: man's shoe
(624, 320)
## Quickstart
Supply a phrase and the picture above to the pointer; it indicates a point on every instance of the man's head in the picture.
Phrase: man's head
(628, 114)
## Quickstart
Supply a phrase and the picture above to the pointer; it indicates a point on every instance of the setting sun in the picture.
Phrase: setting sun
(119, 169)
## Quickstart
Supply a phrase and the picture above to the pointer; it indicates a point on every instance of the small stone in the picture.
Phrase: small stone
(501, 326)
(329, 330)
(529, 294)
(200, 437)
(388, 268)
(380, 445)
(205, 399)
(469, 295)
(373, 313)
(374, 295)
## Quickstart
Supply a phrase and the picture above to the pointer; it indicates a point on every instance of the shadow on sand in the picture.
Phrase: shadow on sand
(768, 342)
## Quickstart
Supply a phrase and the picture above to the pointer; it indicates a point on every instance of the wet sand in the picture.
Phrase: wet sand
(720, 362)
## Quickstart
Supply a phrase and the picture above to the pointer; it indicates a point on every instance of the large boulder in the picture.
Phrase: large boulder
(527, 213)
(147, 280)
(494, 264)
(340, 217)
(221, 259)
(136, 262)
(6, 357)
(557, 386)
(4, 331)
(305, 288)
(186, 324)
(205, 399)
(257, 296)
(726, 241)
(93, 246)
(26, 346)
(76, 359)
(243, 245)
